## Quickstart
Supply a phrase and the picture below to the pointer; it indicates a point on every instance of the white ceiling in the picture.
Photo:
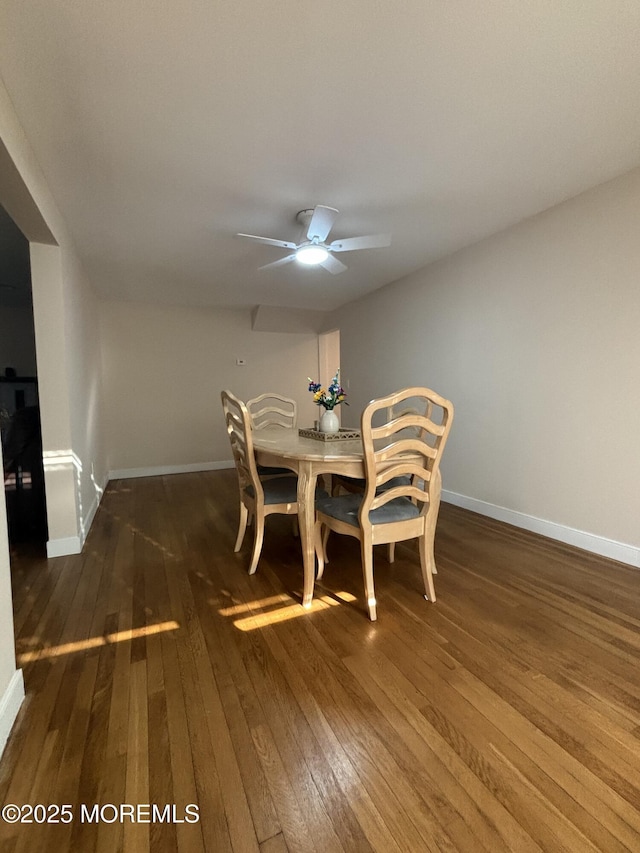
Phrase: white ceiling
(165, 128)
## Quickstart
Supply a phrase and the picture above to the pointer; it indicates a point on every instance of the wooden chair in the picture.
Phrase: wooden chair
(355, 486)
(268, 410)
(273, 409)
(258, 498)
(402, 487)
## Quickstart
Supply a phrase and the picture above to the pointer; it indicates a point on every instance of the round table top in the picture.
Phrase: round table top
(289, 445)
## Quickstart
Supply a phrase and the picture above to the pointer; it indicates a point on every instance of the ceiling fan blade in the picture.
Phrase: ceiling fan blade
(279, 263)
(321, 222)
(372, 241)
(333, 265)
(281, 244)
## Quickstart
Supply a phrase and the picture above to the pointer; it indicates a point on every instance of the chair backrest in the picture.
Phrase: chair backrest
(239, 430)
(273, 409)
(409, 406)
(407, 445)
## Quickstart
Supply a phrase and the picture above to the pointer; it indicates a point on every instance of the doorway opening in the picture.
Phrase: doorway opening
(329, 358)
(20, 430)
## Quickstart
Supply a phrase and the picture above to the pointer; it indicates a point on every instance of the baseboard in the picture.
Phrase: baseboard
(10, 705)
(91, 514)
(620, 551)
(63, 547)
(194, 467)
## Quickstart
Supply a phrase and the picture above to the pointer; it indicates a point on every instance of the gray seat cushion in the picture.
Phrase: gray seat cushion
(361, 484)
(283, 490)
(346, 508)
(393, 482)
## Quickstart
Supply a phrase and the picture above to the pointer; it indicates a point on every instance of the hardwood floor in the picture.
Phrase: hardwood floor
(504, 717)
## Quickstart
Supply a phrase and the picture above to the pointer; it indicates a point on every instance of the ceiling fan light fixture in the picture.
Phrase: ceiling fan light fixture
(311, 255)
(315, 251)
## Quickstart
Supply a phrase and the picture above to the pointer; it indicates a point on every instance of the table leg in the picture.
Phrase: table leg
(306, 519)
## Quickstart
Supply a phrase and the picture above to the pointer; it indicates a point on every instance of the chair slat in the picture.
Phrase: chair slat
(421, 495)
(272, 409)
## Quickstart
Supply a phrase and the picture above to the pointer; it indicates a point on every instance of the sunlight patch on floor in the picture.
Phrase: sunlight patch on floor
(95, 642)
(283, 614)
(236, 609)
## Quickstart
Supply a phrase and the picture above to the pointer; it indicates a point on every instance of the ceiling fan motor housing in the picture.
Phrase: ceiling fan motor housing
(304, 216)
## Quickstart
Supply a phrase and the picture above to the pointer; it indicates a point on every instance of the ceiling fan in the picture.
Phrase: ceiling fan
(314, 250)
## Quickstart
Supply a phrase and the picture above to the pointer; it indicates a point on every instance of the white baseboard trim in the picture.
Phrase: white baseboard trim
(10, 705)
(63, 547)
(620, 551)
(194, 467)
(91, 514)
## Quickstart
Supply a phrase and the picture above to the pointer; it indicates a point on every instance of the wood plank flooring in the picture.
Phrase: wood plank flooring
(504, 717)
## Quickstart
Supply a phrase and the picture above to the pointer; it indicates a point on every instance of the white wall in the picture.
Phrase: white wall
(11, 683)
(534, 334)
(84, 371)
(164, 368)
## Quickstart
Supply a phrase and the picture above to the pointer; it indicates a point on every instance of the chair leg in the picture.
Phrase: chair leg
(432, 516)
(242, 527)
(392, 551)
(257, 542)
(319, 546)
(366, 547)
(325, 539)
(427, 564)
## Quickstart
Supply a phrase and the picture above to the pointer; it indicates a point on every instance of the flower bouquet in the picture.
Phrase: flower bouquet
(332, 396)
(328, 398)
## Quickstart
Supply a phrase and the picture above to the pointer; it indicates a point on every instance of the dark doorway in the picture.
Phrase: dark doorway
(19, 404)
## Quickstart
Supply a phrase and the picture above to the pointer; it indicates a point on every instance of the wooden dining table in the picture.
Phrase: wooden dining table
(309, 458)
